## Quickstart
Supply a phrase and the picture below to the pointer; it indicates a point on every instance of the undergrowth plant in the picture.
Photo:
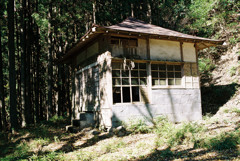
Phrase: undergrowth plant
(113, 145)
(233, 70)
(222, 141)
(205, 66)
(138, 126)
(172, 135)
(85, 155)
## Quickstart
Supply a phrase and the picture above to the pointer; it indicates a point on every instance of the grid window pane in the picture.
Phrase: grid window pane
(116, 81)
(154, 67)
(170, 74)
(177, 67)
(125, 73)
(116, 73)
(143, 73)
(135, 94)
(155, 74)
(178, 81)
(162, 67)
(126, 94)
(143, 81)
(162, 74)
(134, 73)
(178, 75)
(170, 67)
(116, 95)
(142, 65)
(155, 82)
(124, 89)
(170, 81)
(125, 81)
(134, 81)
(162, 81)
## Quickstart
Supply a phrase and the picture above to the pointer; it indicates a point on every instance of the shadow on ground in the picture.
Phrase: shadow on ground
(213, 97)
(191, 154)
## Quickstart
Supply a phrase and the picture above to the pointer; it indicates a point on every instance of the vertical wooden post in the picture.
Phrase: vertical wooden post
(149, 73)
(73, 91)
(181, 51)
(148, 49)
(105, 89)
(196, 52)
(182, 60)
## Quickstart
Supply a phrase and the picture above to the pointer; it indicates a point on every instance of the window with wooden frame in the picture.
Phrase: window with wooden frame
(122, 41)
(125, 47)
(166, 75)
(128, 84)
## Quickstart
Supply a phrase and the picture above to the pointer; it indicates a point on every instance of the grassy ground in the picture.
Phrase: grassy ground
(213, 138)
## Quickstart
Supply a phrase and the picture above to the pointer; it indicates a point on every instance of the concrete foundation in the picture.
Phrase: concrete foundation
(178, 104)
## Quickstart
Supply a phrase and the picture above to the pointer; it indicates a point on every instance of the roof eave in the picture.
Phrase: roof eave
(96, 30)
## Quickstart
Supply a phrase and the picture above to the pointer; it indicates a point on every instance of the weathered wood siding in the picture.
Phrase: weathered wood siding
(87, 94)
(88, 52)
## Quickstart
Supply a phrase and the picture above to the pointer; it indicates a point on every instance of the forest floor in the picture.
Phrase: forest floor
(217, 138)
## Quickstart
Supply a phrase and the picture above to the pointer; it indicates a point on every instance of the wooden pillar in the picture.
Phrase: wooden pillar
(181, 51)
(149, 73)
(73, 92)
(105, 89)
(148, 49)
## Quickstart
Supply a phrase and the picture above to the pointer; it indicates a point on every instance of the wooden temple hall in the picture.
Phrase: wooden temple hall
(135, 70)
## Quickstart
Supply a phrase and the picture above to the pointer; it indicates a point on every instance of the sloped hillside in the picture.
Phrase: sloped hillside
(220, 68)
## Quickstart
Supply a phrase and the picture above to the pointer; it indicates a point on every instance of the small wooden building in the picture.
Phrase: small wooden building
(135, 70)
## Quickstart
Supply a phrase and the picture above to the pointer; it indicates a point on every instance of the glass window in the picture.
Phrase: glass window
(163, 74)
(127, 83)
(135, 94)
(116, 94)
(126, 94)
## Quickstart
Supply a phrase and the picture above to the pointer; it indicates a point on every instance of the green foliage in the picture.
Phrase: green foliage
(41, 21)
(57, 119)
(236, 110)
(49, 156)
(220, 142)
(41, 131)
(166, 153)
(39, 142)
(138, 126)
(232, 110)
(186, 133)
(199, 14)
(233, 70)
(20, 152)
(233, 40)
(172, 135)
(205, 66)
(113, 146)
(85, 155)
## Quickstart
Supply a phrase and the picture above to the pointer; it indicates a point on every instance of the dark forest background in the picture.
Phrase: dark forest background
(34, 34)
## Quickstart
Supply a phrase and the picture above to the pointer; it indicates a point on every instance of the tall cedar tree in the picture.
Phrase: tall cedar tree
(23, 64)
(12, 72)
(1, 81)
